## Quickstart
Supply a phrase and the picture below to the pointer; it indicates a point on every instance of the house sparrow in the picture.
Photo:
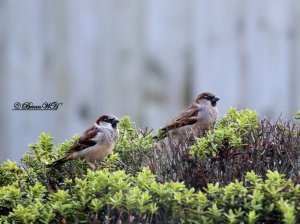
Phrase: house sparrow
(94, 144)
(198, 117)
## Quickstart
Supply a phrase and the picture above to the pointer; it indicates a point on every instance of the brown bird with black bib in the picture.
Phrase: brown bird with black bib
(94, 144)
(198, 117)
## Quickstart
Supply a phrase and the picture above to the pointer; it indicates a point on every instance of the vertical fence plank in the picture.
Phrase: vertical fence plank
(242, 51)
(24, 62)
(294, 37)
(165, 60)
(216, 50)
(268, 55)
(4, 76)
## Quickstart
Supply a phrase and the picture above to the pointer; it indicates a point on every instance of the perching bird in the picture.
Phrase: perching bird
(94, 144)
(198, 117)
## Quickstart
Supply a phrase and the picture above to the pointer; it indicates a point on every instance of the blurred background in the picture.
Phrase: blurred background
(147, 59)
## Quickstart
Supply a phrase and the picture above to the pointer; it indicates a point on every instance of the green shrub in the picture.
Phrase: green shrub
(225, 178)
(298, 115)
(241, 143)
(110, 196)
(134, 146)
(228, 133)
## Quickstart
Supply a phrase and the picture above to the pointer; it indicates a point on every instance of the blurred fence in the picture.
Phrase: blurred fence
(146, 58)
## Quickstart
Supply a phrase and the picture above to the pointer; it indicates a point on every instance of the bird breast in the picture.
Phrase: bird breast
(106, 141)
(98, 152)
(207, 118)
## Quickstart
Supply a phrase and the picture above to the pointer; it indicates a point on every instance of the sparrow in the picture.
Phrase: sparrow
(94, 144)
(198, 117)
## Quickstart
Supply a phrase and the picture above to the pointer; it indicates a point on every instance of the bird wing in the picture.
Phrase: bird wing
(187, 117)
(85, 140)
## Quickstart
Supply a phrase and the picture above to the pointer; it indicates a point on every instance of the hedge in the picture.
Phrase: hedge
(244, 171)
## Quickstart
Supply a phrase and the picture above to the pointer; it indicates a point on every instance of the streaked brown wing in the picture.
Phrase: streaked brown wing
(89, 129)
(180, 123)
(84, 141)
(187, 117)
(191, 111)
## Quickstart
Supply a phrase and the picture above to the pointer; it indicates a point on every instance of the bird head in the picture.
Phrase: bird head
(108, 119)
(207, 98)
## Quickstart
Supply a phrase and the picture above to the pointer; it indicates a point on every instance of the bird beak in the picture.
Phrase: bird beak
(215, 99)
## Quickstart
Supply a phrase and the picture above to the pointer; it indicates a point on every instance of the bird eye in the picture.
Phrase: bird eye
(109, 120)
(208, 97)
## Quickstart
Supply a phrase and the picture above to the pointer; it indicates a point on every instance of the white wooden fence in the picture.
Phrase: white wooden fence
(147, 59)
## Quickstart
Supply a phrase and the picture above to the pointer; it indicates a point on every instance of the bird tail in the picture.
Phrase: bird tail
(59, 162)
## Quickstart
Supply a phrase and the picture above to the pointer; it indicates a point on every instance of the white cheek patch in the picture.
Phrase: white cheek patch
(105, 124)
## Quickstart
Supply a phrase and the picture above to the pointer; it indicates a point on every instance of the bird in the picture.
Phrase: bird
(200, 116)
(97, 142)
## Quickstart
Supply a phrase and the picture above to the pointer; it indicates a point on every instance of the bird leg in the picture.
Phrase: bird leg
(92, 165)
